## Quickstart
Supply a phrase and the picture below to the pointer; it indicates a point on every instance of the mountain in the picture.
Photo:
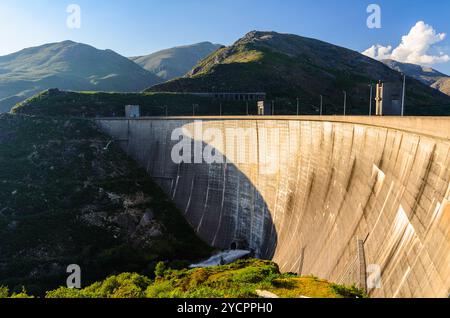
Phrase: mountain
(175, 62)
(287, 66)
(443, 85)
(67, 65)
(426, 75)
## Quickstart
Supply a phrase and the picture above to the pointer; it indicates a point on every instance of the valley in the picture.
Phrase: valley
(352, 199)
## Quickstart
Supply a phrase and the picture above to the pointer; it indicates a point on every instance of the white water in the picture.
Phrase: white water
(222, 258)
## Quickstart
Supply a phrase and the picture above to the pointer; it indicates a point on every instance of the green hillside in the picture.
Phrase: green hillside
(67, 65)
(289, 66)
(242, 279)
(66, 197)
(94, 104)
(175, 62)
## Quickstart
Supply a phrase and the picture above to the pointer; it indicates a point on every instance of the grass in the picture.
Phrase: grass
(241, 279)
(295, 287)
(245, 57)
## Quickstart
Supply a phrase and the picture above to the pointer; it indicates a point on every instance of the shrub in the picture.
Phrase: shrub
(128, 291)
(122, 286)
(64, 292)
(159, 290)
(255, 274)
(160, 269)
(22, 294)
(199, 276)
(4, 292)
(348, 291)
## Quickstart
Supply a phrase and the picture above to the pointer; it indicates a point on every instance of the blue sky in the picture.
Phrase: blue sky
(137, 27)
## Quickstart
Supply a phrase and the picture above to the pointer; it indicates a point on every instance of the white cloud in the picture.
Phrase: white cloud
(379, 52)
(414, 47)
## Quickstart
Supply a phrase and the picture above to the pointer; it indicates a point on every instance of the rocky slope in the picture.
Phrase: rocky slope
(443, 85)
(426, 75)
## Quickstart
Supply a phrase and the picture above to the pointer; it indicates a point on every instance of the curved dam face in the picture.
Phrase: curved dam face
(356, 200)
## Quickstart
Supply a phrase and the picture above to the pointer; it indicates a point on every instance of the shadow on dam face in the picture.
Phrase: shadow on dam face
(218, 200)
(353, 200)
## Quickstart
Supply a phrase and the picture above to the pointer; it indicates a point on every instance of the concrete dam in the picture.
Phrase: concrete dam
(355, 200)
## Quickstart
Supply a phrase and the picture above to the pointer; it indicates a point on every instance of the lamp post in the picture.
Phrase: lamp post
(404, 95)
(371, 98)
(298, 106)
(345, 103)
(321, 105)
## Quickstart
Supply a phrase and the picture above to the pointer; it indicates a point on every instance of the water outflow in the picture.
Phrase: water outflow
(222, 258)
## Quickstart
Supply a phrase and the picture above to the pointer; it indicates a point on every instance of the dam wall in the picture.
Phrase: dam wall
(356, 200)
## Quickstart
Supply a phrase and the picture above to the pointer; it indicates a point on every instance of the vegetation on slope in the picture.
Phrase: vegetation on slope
(175, 62)
(288, 67)
(68, 65)
(92, 104)
(66, 197)
(242, 279)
